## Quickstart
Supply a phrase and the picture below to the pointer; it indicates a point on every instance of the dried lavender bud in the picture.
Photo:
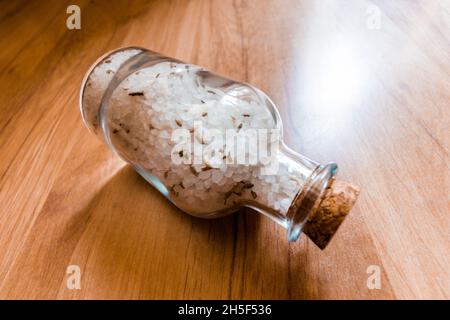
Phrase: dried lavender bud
(136, 94)
(248, 185)
(193, 171)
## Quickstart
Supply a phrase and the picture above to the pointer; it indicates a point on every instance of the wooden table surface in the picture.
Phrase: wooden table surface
(362, 83)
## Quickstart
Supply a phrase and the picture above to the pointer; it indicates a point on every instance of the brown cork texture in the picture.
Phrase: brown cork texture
(337, 202)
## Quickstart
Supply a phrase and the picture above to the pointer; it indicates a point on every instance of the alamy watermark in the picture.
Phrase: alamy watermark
(374, 280)
(73, 21)
(73, 281)
(373, 20)
(215, 148)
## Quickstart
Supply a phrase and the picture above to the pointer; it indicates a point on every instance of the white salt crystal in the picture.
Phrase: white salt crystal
(216, 175)
(205, 174)
(189, 181)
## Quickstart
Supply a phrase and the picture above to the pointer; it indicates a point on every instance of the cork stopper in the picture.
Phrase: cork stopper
(339, 198)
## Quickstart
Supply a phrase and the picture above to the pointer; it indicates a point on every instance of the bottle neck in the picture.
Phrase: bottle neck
(312, 180)
(306, 202)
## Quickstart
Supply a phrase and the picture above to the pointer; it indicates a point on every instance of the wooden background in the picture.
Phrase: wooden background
(371, 94)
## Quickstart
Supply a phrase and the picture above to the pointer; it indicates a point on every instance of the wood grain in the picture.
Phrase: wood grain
(375, 100)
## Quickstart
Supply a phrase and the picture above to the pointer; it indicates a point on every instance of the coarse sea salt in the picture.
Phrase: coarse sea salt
(148, 106)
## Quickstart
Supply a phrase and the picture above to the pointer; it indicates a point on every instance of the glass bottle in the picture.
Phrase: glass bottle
(209, 144)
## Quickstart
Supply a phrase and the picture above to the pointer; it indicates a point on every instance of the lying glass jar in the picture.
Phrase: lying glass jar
(209, 144)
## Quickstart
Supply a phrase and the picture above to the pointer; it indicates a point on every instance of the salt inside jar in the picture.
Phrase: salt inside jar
(209, 144)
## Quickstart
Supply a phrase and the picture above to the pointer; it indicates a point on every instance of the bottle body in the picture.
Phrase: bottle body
(209, 144)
